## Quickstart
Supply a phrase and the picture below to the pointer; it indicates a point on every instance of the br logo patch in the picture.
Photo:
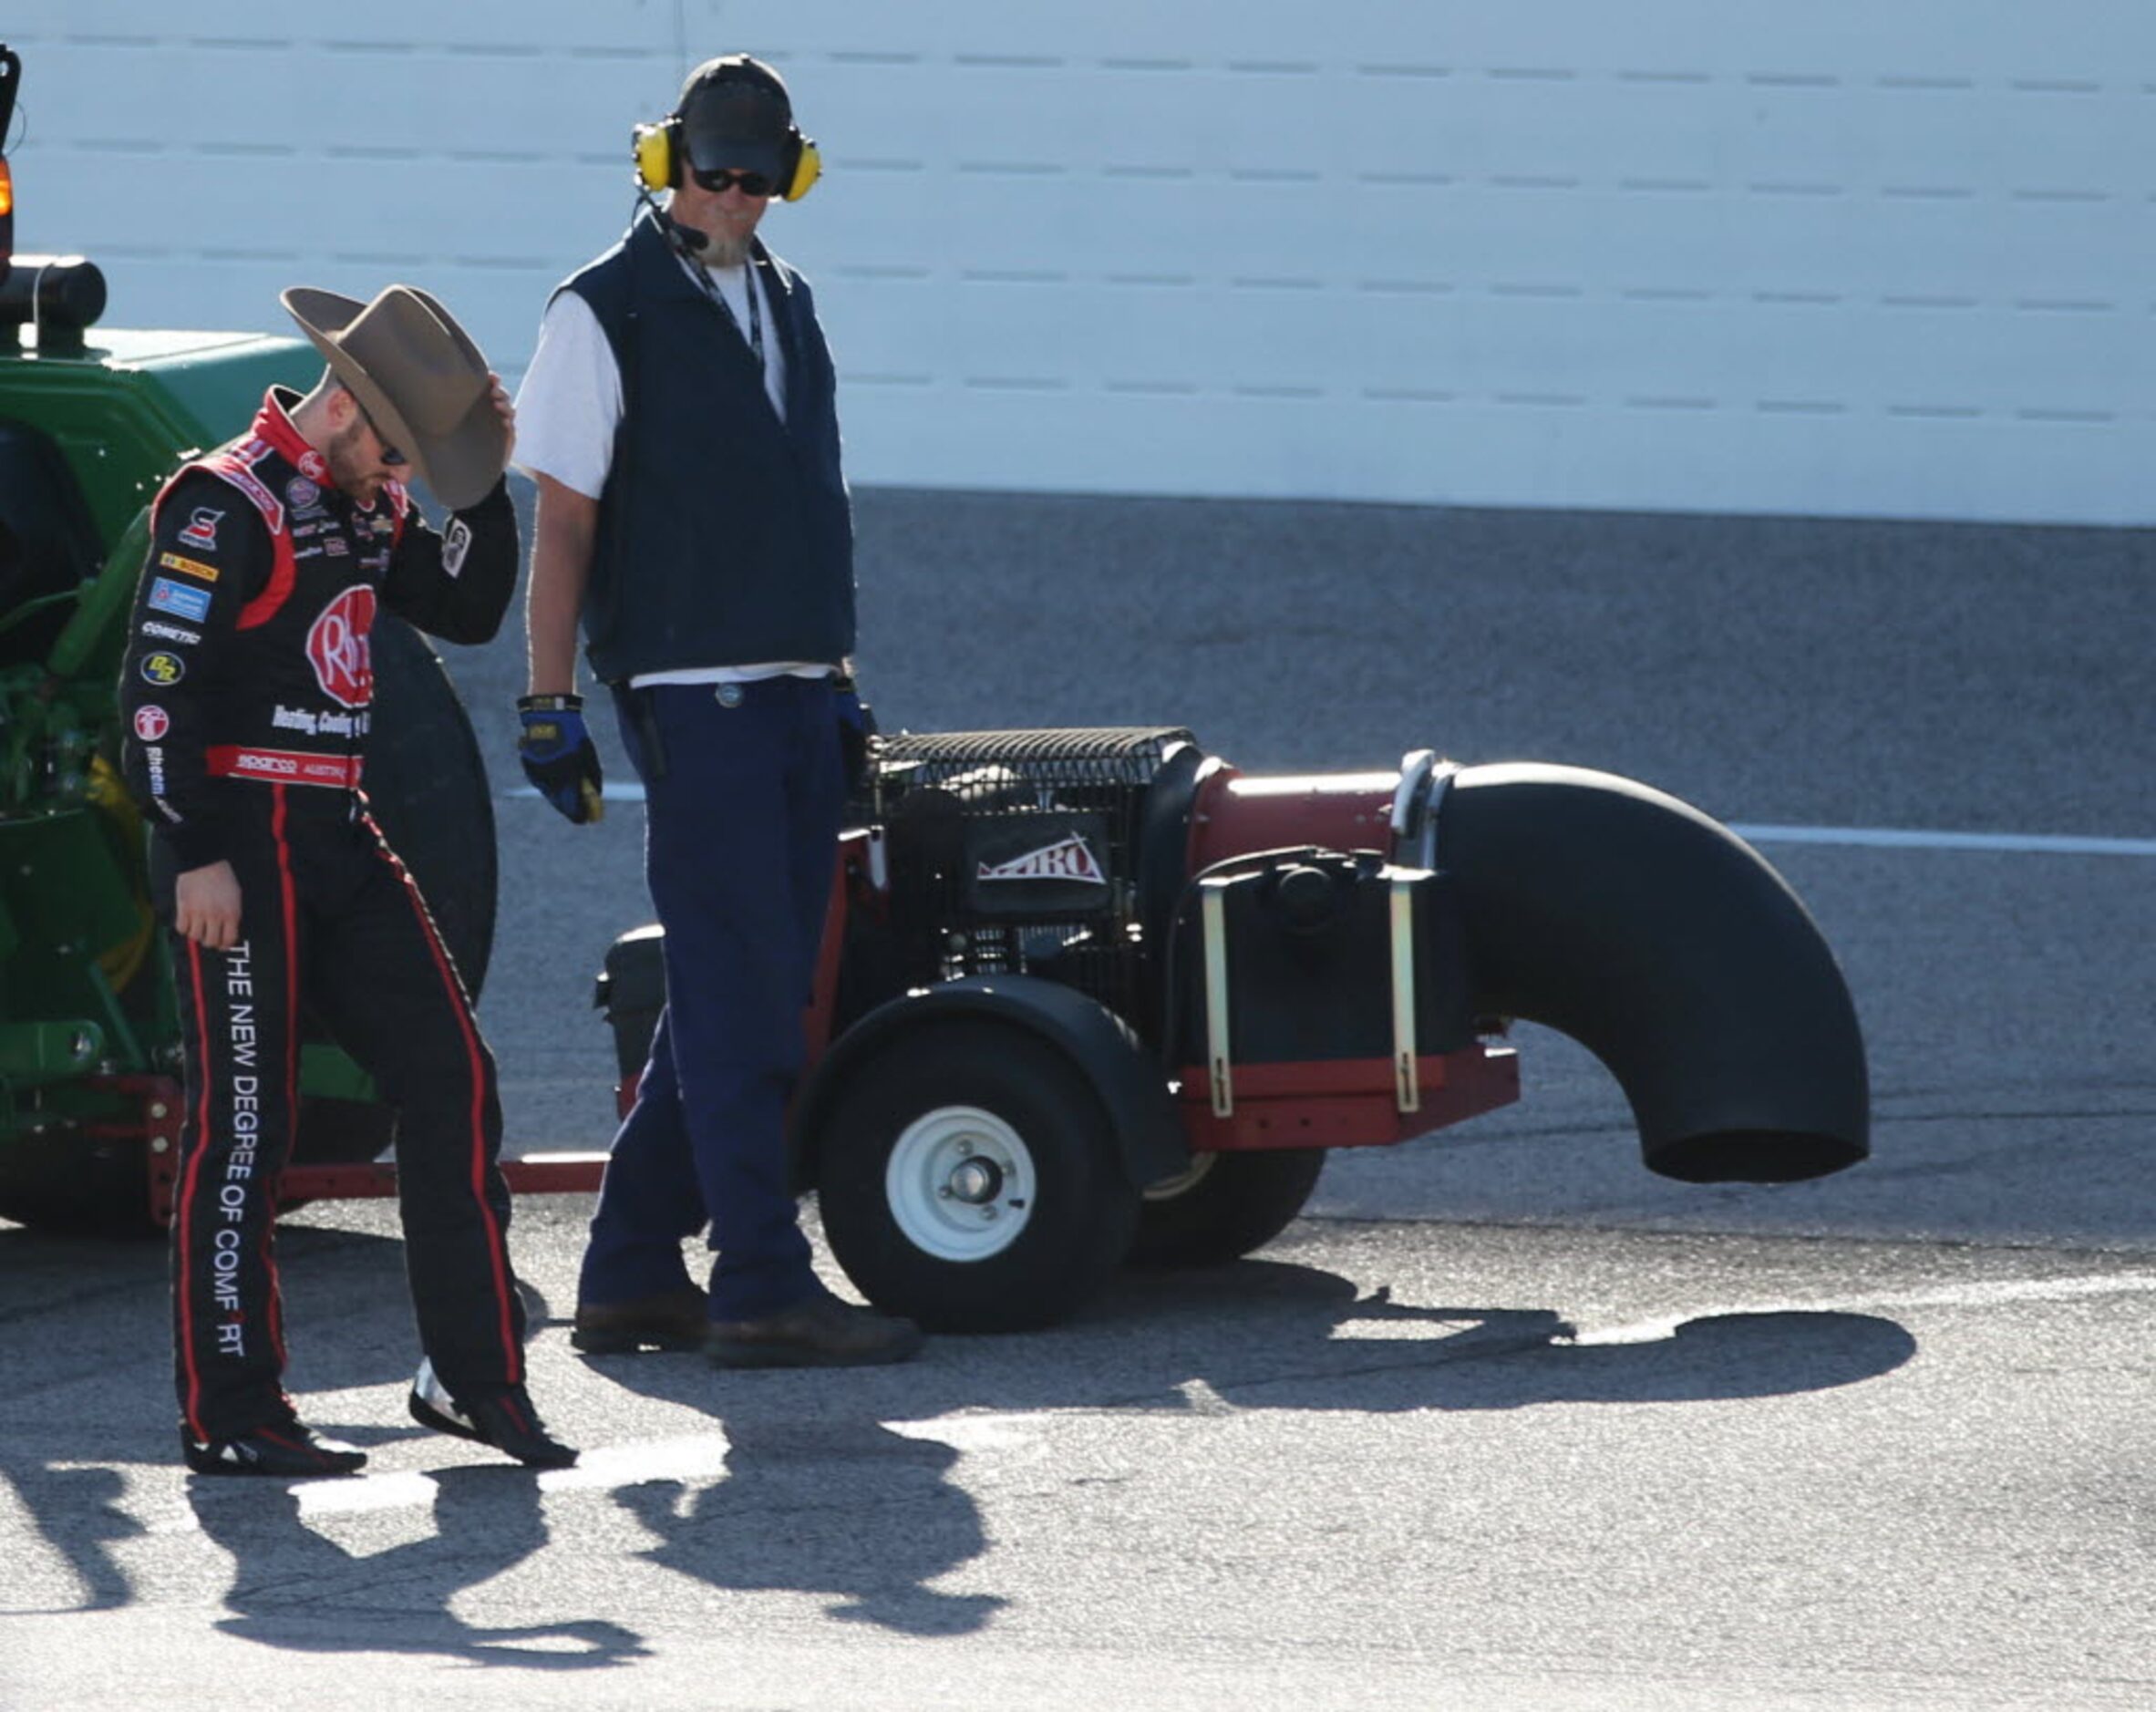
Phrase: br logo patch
(162, 668)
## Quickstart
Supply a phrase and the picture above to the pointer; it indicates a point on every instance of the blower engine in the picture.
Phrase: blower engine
(1095, 996)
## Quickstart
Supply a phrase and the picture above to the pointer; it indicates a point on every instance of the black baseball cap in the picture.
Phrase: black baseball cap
(735, 113)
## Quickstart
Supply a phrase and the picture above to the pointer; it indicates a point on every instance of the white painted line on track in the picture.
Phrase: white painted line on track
(1859, 837)
(1895, 838)
(2001, 1293)
(700, 1457)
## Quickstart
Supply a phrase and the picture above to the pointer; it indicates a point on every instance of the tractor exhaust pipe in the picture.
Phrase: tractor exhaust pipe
(1668, 947)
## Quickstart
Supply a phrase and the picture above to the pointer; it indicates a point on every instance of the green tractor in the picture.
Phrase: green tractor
(92, 421)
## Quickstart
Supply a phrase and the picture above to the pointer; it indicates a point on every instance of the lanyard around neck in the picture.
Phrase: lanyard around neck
(755, 314)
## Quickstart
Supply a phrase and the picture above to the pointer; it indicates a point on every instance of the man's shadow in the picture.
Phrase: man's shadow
(847, 1509)
(843, 1506)
(98, 1392)
(826, 1493)
(295, 1588)
(65, 1297)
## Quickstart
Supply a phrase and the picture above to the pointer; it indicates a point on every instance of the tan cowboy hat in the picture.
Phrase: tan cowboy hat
(421, 379)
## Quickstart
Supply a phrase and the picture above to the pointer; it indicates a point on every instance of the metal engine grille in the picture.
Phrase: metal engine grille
(1097, 756)
(946, 797)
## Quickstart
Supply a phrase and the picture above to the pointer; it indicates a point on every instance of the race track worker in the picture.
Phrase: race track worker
(680, 419)
(246, 694)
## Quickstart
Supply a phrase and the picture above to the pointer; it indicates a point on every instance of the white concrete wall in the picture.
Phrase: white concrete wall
(1846, 257)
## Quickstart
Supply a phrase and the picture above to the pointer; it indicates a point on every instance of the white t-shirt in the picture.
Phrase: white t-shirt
(570, 404)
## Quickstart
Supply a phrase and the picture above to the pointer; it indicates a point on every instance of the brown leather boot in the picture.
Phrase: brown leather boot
(823, 1332)
(677, 1320)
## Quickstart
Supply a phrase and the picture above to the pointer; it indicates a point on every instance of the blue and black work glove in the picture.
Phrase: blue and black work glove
(558, 755)
(857, 730)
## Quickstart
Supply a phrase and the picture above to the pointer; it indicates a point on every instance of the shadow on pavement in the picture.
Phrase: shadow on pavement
(1276, 1335)
(841, 1508)
(293, 1588)
(826, 1493)
(830, 1487)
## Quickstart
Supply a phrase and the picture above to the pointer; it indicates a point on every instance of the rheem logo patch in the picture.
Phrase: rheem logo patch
(337, 647)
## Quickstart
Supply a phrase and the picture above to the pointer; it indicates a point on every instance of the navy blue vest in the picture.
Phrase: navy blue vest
(725, 537)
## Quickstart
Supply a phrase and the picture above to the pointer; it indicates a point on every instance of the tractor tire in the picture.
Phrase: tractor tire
(1225, 1206)
(427, 785)
(66, 1184)
(970, 1179)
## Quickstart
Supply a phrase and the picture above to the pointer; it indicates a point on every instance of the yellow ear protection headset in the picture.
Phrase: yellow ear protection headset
(661, 157)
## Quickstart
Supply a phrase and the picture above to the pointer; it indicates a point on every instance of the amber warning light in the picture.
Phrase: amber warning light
(11, 77)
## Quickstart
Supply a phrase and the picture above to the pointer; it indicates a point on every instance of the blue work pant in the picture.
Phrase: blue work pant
(744, 788)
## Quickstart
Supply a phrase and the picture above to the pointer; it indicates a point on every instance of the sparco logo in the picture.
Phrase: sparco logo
(1067, 859)
(338, 646)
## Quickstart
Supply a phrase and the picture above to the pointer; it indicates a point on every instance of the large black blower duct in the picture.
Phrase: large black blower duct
(1669, 948)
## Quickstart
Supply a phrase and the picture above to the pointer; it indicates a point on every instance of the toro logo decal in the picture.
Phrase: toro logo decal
(337, 647)
(151, 722)
(1067, 859)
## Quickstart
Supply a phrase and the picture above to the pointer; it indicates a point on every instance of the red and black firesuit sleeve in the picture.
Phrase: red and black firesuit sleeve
(210, 554)
(457, 584)
(210, 557)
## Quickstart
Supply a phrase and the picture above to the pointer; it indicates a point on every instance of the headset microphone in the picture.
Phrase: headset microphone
(688, 242)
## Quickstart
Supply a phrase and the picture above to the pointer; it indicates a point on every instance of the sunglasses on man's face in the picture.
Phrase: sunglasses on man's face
(717, 184)
(390, 455)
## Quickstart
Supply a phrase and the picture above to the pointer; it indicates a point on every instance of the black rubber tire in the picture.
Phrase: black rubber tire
(1082, 1214)
(66, 1184)
(427, 785)
(1229, 1205)
(336, 1131)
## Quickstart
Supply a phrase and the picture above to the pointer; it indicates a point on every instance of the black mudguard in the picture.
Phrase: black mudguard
(1097, 1042)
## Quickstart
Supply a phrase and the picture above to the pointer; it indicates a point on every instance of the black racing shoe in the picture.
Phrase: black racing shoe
(283, 1451)
(497, 1415)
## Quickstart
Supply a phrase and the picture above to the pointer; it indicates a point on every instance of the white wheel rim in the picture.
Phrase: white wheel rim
(1183, 1181)
(960, 1184)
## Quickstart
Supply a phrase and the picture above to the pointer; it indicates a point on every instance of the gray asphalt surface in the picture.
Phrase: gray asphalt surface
(1506, 1422)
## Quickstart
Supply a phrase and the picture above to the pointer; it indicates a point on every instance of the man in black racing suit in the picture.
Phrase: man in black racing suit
(246, 695)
